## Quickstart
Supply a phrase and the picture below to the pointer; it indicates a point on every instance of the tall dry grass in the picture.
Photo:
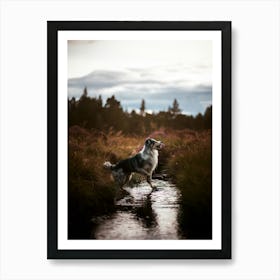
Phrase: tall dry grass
(186, 157)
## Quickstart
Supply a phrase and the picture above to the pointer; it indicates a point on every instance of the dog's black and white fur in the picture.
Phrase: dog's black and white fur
(145, 162)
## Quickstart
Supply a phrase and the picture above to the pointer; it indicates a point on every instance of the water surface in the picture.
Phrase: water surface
(142, 215)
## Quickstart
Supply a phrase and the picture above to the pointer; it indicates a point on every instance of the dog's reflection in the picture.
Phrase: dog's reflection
(146, 214)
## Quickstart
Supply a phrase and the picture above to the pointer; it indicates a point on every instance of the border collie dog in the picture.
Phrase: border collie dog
(145, 162)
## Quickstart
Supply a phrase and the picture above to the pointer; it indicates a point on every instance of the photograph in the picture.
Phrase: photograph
(139, 128)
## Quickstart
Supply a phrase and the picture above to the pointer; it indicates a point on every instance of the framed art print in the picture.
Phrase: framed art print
(139, 140)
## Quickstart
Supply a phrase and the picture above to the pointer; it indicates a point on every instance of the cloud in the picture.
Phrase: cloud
(107, 79)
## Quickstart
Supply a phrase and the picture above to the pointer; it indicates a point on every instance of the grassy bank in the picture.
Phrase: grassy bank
(186, 158)
(191, 167)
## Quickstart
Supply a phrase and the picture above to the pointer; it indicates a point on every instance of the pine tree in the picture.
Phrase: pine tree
(99, 101)
(175, 110)
(142, 108)
(85, 93)
(113, 103)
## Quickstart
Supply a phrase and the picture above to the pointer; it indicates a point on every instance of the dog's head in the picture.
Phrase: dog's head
(153, 144)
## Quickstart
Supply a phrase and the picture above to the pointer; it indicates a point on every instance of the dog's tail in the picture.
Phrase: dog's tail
(108, 165)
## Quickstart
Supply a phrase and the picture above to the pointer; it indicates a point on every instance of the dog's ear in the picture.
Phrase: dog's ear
(148, 141)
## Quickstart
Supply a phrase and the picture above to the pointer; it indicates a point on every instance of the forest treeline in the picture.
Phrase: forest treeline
(91, 113)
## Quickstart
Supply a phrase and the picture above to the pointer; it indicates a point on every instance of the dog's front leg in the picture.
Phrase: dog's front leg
(149, 180)
(148, 176)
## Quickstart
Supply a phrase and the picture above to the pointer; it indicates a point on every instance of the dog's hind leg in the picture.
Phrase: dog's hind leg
(121, 192)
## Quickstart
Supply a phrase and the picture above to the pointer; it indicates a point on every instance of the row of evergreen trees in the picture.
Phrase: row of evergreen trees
(89, 112)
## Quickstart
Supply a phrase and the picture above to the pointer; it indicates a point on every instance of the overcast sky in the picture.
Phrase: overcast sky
(157, 71)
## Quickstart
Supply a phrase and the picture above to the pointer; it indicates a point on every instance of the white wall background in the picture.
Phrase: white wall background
(255, 151)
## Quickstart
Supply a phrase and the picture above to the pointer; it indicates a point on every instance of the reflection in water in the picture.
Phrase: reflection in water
(143, 216)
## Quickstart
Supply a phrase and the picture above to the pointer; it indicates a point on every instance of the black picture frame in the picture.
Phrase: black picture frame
(52, 88)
